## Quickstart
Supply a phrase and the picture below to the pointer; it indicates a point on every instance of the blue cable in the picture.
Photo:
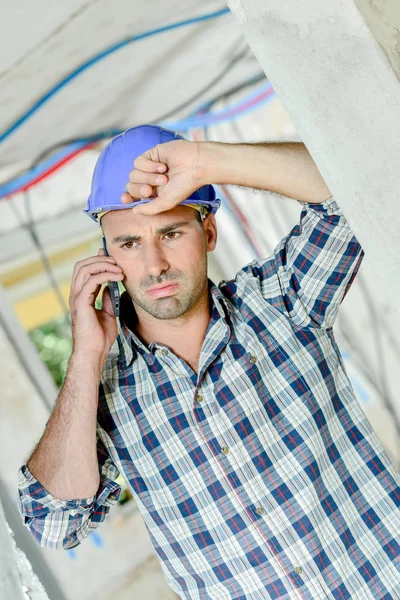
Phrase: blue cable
(22, 180)
(99, 57)
(203, 120)
(27, 177)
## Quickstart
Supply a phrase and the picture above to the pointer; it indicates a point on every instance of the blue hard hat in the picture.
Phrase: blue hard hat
(115, 162)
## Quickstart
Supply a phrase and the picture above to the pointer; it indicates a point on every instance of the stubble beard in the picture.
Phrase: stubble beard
(171, 307)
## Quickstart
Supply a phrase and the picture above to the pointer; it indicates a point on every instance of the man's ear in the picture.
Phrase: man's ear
(210, 230)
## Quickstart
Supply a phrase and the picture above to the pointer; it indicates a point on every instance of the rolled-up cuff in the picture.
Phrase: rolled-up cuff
(35, 501)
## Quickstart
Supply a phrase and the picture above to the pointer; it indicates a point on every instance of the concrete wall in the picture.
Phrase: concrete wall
(10, 583)
(340, 86)
(383, 20)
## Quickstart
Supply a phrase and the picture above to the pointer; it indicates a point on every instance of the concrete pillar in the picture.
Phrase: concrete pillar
(10, 584)
(335, 67)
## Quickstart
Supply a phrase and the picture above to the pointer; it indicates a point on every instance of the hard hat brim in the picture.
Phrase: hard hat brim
(211, 205)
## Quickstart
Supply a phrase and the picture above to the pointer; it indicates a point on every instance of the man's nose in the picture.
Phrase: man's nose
(155, 261)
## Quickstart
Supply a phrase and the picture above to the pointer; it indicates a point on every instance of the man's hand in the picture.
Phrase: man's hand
(169, 173)
(93, 330)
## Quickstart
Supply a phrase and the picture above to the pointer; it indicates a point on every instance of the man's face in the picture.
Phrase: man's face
(168, 249)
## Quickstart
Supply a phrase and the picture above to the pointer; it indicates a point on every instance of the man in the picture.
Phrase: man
(227, 408)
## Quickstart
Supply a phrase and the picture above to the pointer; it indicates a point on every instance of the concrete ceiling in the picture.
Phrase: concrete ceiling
(69, 69)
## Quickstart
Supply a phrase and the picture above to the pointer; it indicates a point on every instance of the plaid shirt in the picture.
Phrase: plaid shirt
(260, 477)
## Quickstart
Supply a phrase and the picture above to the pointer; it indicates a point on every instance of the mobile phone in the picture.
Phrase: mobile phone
(112, 287)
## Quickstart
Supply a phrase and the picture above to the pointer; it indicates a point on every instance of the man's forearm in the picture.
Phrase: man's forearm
(65, 461)
(285, 168)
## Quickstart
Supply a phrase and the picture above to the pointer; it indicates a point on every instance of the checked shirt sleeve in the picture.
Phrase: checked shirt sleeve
(64, 524)
(312, 267)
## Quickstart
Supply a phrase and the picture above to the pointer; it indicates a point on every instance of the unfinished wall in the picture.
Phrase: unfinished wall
(340, 87)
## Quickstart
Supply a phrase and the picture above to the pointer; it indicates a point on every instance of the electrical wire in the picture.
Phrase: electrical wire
(100, 56)
(262, 95)
(227, 69)
(22, 183)
(246, 105)
(62, 144)
(231, 91)
(107, 134)
(37, 174)
(29, 225)
(84, 141)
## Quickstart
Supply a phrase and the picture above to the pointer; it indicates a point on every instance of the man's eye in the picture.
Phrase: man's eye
(172, 233)
(127, 245)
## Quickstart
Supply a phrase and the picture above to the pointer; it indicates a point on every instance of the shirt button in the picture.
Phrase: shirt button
(225, 449)
(253, 359)
(298, 569)
(260, 510)
(112, 497)
(164, 351)
(199, 398)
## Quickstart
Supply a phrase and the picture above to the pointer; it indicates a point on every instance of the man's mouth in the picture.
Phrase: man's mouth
(165, 289)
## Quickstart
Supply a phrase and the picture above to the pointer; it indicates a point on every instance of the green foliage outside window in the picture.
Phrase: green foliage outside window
(54, 344)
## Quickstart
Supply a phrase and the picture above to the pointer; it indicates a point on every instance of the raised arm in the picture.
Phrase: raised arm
(285, 168)
(170, 172)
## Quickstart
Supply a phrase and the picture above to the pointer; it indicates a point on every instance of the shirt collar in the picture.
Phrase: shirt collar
(222, 304)
(128, 343)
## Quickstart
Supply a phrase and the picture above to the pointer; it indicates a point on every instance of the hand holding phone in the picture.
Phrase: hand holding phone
(113, 287)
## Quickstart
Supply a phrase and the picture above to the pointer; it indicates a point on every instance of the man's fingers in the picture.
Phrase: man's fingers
(144, 162)
(137, 190)
(89, 270)
(127, 198)
(92, 286)
(93, 259)
(153, 179)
